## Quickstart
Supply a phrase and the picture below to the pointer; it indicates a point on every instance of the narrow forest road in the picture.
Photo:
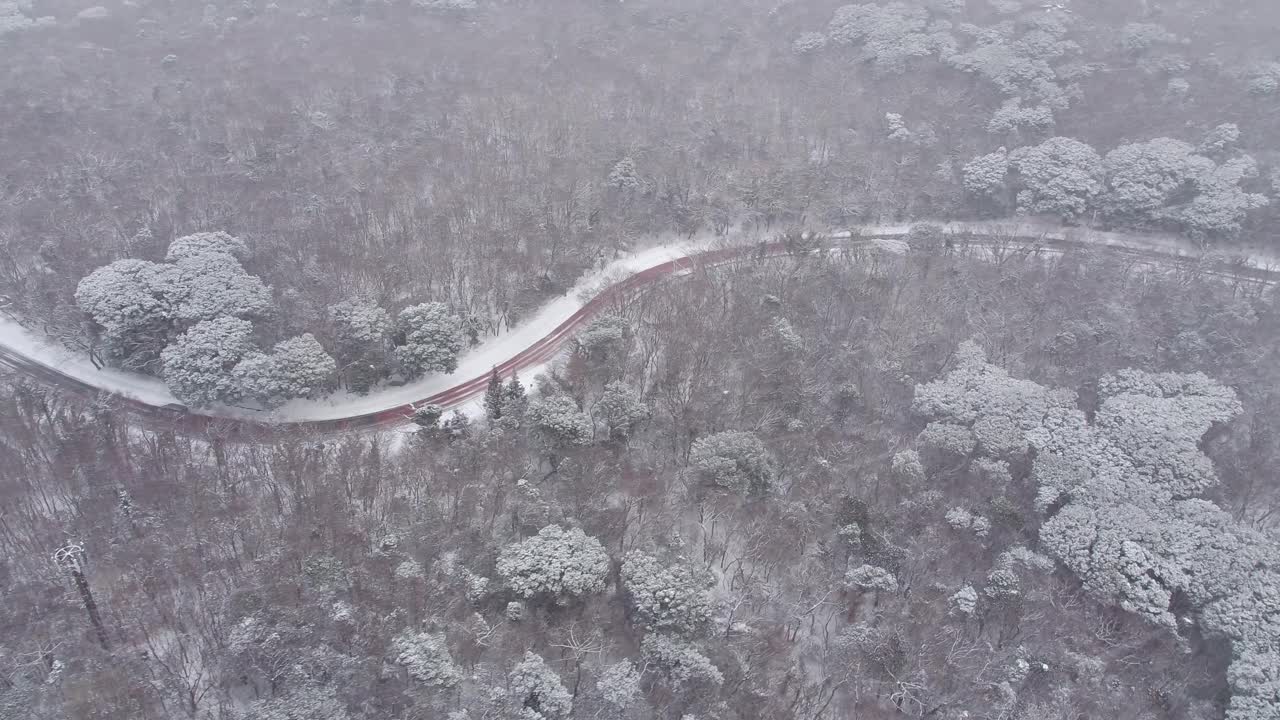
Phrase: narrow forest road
(537, 342)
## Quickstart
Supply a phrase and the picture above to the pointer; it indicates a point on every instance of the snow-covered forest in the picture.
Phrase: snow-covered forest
(956, 476)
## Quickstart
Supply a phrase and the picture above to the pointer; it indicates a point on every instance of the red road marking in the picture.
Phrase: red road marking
(548, 346)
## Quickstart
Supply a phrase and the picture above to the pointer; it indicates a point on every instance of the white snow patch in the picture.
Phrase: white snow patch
(21, 341)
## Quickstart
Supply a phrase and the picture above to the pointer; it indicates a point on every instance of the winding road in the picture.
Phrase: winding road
(995, 239)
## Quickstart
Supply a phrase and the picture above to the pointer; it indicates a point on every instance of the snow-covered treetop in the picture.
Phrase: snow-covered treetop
(197, 367)
(1220, 139)
(1142, 176)
(1060, 176)
(1198, 190)
(536, 692)
(962, 519)
(619, 685)
(809, 42)
(964, 601)
(624, 175)
(128, 294)
(211, 285)
(427, 659)
(203, 290)
(360, 323)
(556, 563)
(984, 175)
(1145, 431)
(621, 409)
(204, 281)
(297, 367)
(559, 422)
(890, 35)
(1157, 420)
(734, 459)
(974, 390)
(679, 661)
(1128, 519)
(673, 597)
(1018, 59)
(907, 467)
(205, 243)
(432, 339)
(602, 332)
(870, 577)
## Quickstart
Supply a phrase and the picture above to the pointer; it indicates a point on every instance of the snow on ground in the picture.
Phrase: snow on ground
(21, 342)
(472, 409)
(479, 360)
(493, 351)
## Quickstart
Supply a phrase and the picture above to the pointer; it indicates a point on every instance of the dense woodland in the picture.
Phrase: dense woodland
(952, 482)
(728, 509)
(482, 154)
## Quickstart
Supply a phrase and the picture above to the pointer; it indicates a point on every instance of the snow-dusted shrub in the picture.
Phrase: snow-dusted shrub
(1002, 583)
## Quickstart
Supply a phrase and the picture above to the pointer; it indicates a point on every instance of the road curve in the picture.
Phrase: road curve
(997, 239)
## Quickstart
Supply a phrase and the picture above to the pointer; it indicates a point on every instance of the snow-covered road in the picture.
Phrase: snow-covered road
(23, 349)
(532, 344)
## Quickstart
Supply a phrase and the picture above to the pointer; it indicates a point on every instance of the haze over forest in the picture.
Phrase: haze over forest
(639, 360)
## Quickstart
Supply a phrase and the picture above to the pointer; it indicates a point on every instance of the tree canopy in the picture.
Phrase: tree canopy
(1125, 500)
(557, 564)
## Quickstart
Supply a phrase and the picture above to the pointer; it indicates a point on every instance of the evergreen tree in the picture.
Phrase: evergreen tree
(513, 398)
(429, 339)
(493, 397)
(428, 417)
(457, 427)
